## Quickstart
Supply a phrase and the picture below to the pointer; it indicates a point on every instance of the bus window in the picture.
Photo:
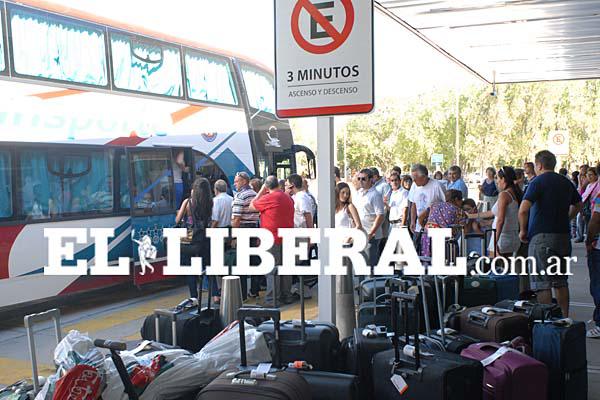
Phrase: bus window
(6, 209)
(259, 88)
(51, 47)
(152, 188)
(57, 184)
(283, 165)
(124, 182)
(209, 78)
(145, 66)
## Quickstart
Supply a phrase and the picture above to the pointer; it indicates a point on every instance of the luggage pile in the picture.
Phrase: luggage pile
(470, 338)
(417, 337)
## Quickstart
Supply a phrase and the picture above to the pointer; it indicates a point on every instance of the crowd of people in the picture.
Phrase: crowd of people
(534, 211)
(271, 204)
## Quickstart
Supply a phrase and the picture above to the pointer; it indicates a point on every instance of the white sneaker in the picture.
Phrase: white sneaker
(593, 333)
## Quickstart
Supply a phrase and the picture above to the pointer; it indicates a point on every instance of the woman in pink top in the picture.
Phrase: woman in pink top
(593, 187)
(589, 195)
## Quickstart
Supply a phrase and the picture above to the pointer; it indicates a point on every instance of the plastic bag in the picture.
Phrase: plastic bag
(192, 372)
(74, 349)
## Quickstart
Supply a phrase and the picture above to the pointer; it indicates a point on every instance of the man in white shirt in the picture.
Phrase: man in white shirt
(397, 202)
(424, 192)
(371, 210)
(303, 206)
(303, 215)
(221, 214)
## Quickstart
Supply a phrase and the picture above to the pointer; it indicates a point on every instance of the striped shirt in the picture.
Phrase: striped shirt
(241, 208)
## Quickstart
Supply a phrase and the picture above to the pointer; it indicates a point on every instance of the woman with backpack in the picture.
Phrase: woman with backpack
(196, 214)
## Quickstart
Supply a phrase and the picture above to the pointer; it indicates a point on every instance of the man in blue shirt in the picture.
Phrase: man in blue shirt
(550, 202)
(456, 181)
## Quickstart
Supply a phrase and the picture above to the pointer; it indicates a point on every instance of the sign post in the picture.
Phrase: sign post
(324, 67)
(326, 183)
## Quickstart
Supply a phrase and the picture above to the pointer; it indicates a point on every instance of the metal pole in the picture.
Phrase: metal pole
(345, 156)
(326, 181)
(457, 139)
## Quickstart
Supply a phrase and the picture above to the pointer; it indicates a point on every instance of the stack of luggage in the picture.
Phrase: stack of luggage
(476, 340)
(417, 337)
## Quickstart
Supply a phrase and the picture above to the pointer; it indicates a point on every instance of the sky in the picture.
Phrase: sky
(404, 65)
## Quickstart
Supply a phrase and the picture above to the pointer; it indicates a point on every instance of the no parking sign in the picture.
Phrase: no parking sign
(323, 57)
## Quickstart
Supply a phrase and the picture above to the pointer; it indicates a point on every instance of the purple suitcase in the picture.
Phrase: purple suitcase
(511, 376)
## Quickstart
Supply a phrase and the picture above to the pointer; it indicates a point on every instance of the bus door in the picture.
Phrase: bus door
(299, 159)
(152, 199)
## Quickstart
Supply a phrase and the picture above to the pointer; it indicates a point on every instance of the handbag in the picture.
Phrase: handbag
(586, 211)
(187, 239)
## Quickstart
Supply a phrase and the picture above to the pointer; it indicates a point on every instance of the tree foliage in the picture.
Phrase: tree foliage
(506, 129)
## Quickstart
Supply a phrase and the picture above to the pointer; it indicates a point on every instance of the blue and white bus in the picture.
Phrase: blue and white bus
(92, 115)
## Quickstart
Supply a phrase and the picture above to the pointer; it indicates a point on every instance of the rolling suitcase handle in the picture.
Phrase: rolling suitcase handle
(115, 347)
(440, 310)
(425, 306)
(30, 321)
(172, 315)
(273, 313)
(405, 298)
(420, 283)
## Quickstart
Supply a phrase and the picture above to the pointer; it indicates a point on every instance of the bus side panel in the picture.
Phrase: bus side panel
(25, 280)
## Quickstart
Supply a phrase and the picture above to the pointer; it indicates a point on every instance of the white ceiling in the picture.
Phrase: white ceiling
(514, 40)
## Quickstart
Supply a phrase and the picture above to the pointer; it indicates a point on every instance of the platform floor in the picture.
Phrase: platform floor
(119, 315)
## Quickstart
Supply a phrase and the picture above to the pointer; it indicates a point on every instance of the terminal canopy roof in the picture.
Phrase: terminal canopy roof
(509, 41)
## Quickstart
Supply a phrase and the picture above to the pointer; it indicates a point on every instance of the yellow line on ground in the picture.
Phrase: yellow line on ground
(126, 315)
(292, 311)
(12, 370)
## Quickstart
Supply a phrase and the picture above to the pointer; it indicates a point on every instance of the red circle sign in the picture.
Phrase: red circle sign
(559, 139)
(338, 37)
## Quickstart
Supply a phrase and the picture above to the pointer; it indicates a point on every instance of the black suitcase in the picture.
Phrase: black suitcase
(187, 327)
(359, 350)
(561, 345)
(373, 299)
(317, 343)
(378, 312)
(331, 385)
(243, 384)
(437, 375)
(535, 311)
